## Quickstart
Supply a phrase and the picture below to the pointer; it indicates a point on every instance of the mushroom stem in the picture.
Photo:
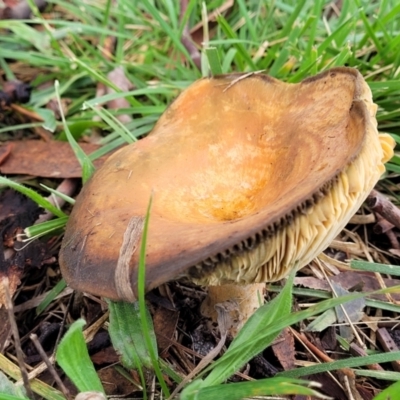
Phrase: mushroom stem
(239, 302)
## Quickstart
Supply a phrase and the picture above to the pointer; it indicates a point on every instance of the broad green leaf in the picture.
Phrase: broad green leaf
(73, 357)
(391, 393)
(126, 332)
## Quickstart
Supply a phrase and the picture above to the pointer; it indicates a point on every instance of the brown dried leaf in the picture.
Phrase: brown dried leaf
(16, 213)
(118, 78)
(115, 384)
(197, 33)
(53, 159)
(363, 281)
(284, 349)
(105, 356)
(14, 275)
(5, 328)
(165, 322)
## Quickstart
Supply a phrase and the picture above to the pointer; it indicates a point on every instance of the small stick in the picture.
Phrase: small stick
(393, 240)
(17, 342)
(358, 351)
(388, 345)
(382, 225)
(222, 324)
(49, 365)
(380, 204)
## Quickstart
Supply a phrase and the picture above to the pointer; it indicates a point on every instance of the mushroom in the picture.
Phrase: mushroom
(250, 177)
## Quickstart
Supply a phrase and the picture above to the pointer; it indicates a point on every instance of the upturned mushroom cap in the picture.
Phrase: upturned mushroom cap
(249, 177)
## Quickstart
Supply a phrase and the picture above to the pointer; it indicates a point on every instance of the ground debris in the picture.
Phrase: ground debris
(16, 213)
(53, 159)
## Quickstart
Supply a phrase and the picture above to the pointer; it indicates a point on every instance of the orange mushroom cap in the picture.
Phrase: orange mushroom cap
(249, 177)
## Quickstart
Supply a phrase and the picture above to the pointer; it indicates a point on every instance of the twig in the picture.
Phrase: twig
(382, 225)
(49, 365)
(17, 342)
(380, 204)
(388, 345)
(358, 351)
(315, 352)
(362, 219)
(222, 323)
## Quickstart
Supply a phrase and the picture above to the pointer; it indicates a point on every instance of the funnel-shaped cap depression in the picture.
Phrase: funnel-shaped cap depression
(237, 166)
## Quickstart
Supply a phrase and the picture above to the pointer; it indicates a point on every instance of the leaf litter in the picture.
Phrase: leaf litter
(183, 337)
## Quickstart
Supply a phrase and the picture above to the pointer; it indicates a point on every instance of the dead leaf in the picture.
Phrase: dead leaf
(115, 384)
(165, 322)
(118, 78)
(5, 151)
(284, 349)
(54, 159)
(364, 281)
(351, 310)
(16, 213)
(197, 33)
(105, 356)
(5, 327)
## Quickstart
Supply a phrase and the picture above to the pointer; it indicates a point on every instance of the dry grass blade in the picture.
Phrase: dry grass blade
(49, 365)
(17, 343)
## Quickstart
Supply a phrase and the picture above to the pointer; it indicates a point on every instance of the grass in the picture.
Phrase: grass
(290, 40)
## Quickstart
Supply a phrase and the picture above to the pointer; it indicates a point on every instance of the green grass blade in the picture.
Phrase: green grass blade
(213, 61)
(44, 228)
(152, 10)
(265, 316)
(54, 292)
(36, 197)
(375, 267)
(146, 323)
(346, 363)
(242, 56)
(113, 122)
(370, 31)
(245, 390)
(73, 357)
(87, 165)
(56, 193)
(258, 339)
(384, 375)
